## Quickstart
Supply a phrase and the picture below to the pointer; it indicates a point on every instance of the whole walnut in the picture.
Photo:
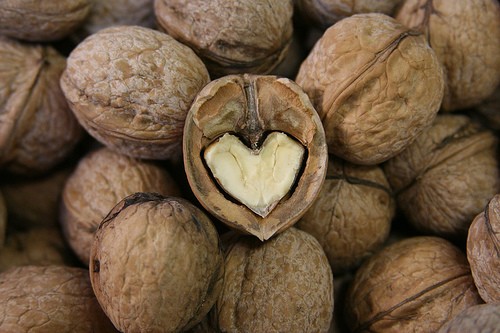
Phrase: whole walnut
(414, 285)
(131, 87)
(375, 84)
(446, 177)
(480, 318)
(34, 201)
(324, 13)
(42, 299)
(466, 38)
(37, 128)
(284, 284)
(35, 20)
(483, 251)
(101, 179)
(156, 264)
(232, 37)
(351, 217)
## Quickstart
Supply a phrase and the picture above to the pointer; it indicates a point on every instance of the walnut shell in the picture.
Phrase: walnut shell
(324, 13)
(282, 285)
(40, 299)
(101, 179)
(35, 246)
(253, 107)
(483, 251)
(156, 264)
(465, 37)
(446, 177)
(37, 128)
(35, 20)
(130, 87)
(414, 285)
(231, 37)
(351, 217)
(475, 319)
(375, 84)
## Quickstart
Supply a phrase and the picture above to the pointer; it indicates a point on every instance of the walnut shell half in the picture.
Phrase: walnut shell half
(250, 111)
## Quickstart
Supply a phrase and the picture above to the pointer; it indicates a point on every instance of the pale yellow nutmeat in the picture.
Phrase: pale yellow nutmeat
(258, 178)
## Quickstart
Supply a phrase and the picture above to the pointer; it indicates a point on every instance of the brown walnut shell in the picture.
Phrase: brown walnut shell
(38, 299)
(483, 251)
(130, 87)
(414, 285)
(231, 37)
(251, 106)
(101, 179)
(37, 128)
(35, 20)
(375, 84)
(480, 318)
(156, 264)
(351, 217)
(282, 285)
(446, 177)
(466, 38)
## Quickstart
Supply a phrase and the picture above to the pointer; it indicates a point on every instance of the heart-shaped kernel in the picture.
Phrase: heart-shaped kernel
(258, 178)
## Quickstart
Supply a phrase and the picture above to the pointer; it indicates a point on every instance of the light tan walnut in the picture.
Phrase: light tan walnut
(375, 84)
(282, 285)
(231, 37)
(40, 299)
(475, 319)
(414, 285)
(37, 128)
(466, 38)
(131, 88)
(101, 179)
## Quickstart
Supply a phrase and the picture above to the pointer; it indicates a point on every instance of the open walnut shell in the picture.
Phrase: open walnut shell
(265, 184)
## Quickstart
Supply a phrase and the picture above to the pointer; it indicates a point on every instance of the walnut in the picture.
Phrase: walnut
(40, 299)
(282, 285)
(446, 177)
(376, 86)
(34, 201)
(351, 217)
(483, 251)
(131, 87)
(37, 128)
(254, 152)
(414, 285)
(465, 37)
(35, 20)
(324, 13)
(35, 246)
(156, 264)
(101, 179)
(475, 319)
(231, 37)
(104, 14)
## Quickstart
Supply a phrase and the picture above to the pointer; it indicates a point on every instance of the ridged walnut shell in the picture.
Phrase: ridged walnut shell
(282, 285)
(480, 318)
(156, 264)
(39, 299)
(483, 251)
(101, 180)
(130, 87)
(252, 106)
(375, 84)
(351, 217)
(35, 20)
(446, 177)
(466, 38)
(37, 128)
(414, 285)
(231, 37)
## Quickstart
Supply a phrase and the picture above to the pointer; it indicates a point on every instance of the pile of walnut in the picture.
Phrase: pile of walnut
(242, 166)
